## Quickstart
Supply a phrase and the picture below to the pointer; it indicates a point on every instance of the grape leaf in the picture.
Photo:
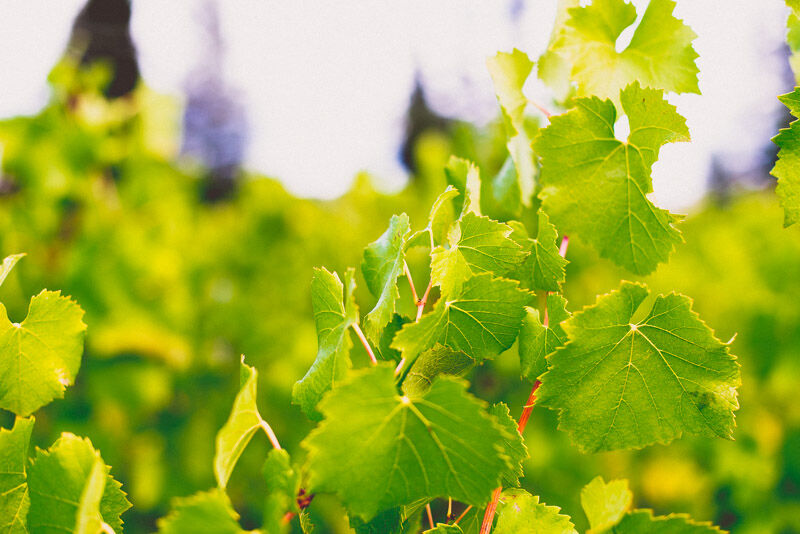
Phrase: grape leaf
(89, 520)
(482, 321)
(242, 424)
(514, 444)
(203, 513)
(476, 245)
(439, 445)
(383, 349)
(619, 385)
(553, 68)
(383, 262)
(596, 186)
(392, 521)
(332, 318)
(436, 361)
(8, 264)
(466, 178)
(605, 503)
(660, 53)
(509, 72)
(41, 356)
(500, 195)
(537, 341)
(62, 482)
(14, 499)
(283, 484)
(519, 512)
(544, 269)
(640, 521)
(444, 212)
(786, 168)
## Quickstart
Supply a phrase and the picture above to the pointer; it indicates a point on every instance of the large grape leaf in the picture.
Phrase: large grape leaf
(519, 512)
(40, 357)
(242, 424)
(509, 72)
(640, 521)
(378, 450)
(8, 265)
(436, 361)
(481, 321)
(659, 55)
(619, 384)
(335, 311)
(544, 269)
(62, 484)
(537, 341)
(203, 513)
(514, 444)
(596, 186)
(605, 503)
(383, 262)
(787, 168)
(475, 245)
(14, 499)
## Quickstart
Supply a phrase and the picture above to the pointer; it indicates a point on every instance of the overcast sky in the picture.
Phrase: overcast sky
(326, 84)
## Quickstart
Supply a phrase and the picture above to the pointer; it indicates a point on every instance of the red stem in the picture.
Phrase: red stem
(430, 515)
(410, 282)
(459, 518)
(364, 342)
(488, 517)
(270, 434)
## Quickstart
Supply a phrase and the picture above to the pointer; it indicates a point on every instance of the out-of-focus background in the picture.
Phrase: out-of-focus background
(179, 167)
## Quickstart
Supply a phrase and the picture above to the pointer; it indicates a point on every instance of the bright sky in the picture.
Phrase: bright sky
(326, 84)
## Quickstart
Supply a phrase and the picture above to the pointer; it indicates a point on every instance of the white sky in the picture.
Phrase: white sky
(326, 84)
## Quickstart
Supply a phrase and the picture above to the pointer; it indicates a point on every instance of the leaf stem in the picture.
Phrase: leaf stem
(407, 272)
(105, 528)
(449, 508)
(460, 517)
(424, 300)
(488, 517)
(541, 108)
(270, 434)
(364, 342)
(430, 515)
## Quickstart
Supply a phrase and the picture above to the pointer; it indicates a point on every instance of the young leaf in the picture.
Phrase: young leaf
(89, 520)
(544, 269)
(520, 512)
(640, 521)
(62, 483)
(621, 385)
(242, 423)
(514, 444)
(509, 72)
(383, 263)
(660, 53)
(786, 168)
(475, 245)
(466, 178)
(378, 450)
(203, 513)
(500, 196)
(605, 503)
(40, 357)
(436, 361)
(443, 215)
(537, 341)
(283, 483)
(553, 68)
(332, 317)
(596, 186)
(14, 499)
(482, 320)
(8, 264)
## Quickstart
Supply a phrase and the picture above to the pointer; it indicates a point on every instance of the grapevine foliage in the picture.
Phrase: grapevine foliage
(626, 372)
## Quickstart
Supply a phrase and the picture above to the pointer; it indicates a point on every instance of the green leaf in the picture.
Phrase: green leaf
(334, 312)
(619, 384)
(383, 349)
(519, 512)
(553, 68)
(442, 528)
(660, 53)
(378, 450)
(596, 186)
(787, 168)
(383, 262)
(8, 264)
(243, 422)
(640, 521)
(63, 488)
(466, 178)
(89, 518)
(544, 269)
(509, 72)
(605, 503)
(283, 484)
(794, 5)
(500, 195)
(514, 444)
(391, 521)
(306, 525)
(203, 513)
(445, 211)
(476, 245)
(436, 361)
(537, 341)
(40, 357)
(14, 499)
(482, 321)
